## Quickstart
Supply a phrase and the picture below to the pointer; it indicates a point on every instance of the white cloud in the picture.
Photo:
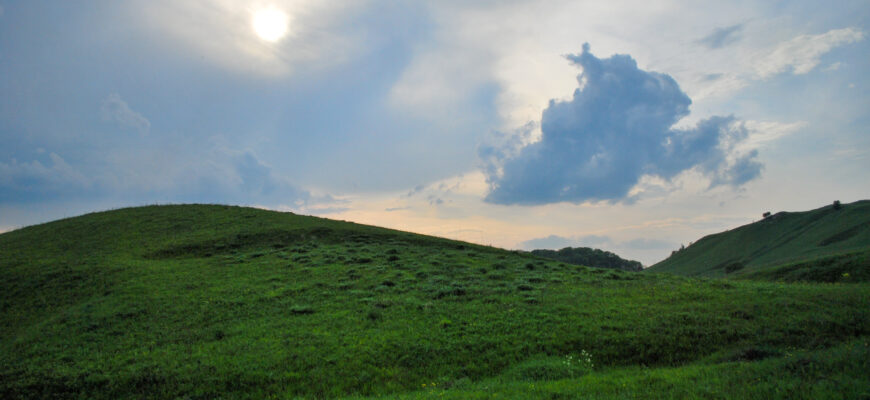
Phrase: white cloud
(802, 54)
(115, 109)
(762, 133)
(834, 66)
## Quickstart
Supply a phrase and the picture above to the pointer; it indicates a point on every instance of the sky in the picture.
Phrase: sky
(630, 126)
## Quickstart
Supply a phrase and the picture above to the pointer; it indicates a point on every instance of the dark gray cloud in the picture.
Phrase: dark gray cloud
(37, 179)
(617, 128)
(722, 37)
(218, 175)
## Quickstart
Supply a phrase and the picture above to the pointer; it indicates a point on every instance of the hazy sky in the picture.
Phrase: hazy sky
(631, 126)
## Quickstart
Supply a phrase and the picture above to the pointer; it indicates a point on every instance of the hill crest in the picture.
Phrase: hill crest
(837, 236)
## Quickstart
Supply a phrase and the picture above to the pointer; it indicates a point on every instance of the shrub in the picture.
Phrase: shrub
(735, 266)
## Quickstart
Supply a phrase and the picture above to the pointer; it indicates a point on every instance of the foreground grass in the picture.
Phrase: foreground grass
(836, 373)
(213, 301)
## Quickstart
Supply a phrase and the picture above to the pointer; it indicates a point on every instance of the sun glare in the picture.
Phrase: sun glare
(270, 24)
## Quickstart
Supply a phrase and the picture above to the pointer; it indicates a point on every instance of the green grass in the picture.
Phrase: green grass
(823, 245)
(215, 301)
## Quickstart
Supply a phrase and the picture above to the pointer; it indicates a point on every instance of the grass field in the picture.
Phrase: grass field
(823, 245)
(201, 301)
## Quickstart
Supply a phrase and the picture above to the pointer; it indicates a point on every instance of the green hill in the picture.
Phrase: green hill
(207, 301)
(590, 257)
(826, 244)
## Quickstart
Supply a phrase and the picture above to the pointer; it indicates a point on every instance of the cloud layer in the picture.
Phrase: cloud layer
(617, 128)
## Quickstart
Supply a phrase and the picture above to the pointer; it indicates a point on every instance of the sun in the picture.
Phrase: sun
(270, 24)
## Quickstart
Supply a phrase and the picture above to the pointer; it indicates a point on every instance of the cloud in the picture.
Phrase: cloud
(556, 242)
(722, 37)
(647, 244)
(617, 128)
(235, 175)
(553, 242)
(802, 54)
(115, 109)
(215, 173)
(833, 67)
(35, 180)
(415, 190)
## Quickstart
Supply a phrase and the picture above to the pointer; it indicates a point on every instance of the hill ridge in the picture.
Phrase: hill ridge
(781, 239)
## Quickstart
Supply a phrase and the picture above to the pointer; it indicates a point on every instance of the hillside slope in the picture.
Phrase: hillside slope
(825, 244)
(198, 302)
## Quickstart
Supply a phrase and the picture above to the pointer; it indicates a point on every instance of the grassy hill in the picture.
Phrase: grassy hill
(826, 244)
(201, 302)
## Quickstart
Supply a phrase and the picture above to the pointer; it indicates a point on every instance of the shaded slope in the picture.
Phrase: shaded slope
(837, 241)
(215, 301)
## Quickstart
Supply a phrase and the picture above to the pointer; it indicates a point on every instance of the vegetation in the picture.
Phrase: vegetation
(828, 244)
(590, 257)
(203, 302)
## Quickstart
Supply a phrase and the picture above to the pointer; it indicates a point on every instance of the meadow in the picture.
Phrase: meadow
(210, 301)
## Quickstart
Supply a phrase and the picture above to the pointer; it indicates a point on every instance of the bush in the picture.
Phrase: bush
(735, 266)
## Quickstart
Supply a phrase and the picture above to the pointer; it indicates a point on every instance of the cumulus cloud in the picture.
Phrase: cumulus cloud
(115, 109)
(802, 54)
(617, 128)
(722, 37)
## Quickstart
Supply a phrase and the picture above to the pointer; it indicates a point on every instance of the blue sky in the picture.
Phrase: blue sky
(631, 126)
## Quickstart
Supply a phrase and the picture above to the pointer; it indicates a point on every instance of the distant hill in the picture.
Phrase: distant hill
(590, 257)
(828, 244)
